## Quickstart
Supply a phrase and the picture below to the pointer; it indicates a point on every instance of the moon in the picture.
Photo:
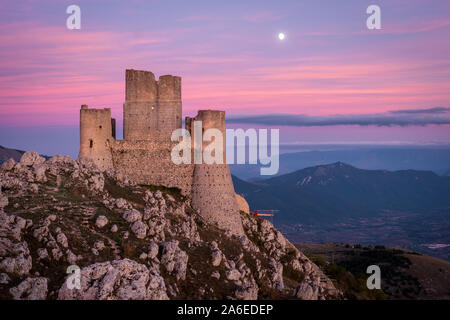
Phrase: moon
(281, 36)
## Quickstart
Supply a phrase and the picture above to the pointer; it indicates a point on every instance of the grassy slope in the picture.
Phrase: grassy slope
(404, 274)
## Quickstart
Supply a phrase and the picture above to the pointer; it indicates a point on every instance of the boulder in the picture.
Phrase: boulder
(306, 291)
(101, 222)
(31, 159)
(132, 215)
(3, 201)
(116, 280)
(233, 274)
(153, 250)
(30, 289)
(8, 165)
(139, 229)
(174, 259)
(216, 258)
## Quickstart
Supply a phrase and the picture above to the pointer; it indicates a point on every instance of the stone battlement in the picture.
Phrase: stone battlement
(151, 112)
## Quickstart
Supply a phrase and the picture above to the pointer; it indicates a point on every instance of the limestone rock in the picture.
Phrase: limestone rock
(4, 278)
(277, 274)
(248, 291)
(143, 256)
(71, 257)
(8, 165)
(3, 201)
(31, 159)
(153, 250)
(174, 259)
(42, 253)
(39, 172)
(139, 229)
(306, 291)
(14, 253)
(62, 240)
(30, 289)
(132, 215)
(216, 258)
(99, 245)
(121, 203)
(233, 274)
(101, 222)
(116, 280)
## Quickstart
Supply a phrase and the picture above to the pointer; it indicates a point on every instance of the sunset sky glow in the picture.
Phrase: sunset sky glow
(230, 57)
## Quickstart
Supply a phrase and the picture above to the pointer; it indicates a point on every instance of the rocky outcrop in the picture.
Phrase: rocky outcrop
(31, 159)
(174, 259)
(116, 280)
(134, 241)
(15, 256)
(30, 289)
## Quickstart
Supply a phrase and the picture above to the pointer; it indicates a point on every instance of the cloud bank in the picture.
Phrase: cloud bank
(411, 117)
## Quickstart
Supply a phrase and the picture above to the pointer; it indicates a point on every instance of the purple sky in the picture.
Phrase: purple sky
(230, 58)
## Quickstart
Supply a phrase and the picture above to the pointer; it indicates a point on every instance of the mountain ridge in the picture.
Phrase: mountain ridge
(341, 203)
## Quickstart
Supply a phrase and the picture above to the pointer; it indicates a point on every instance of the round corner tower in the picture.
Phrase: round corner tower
(96, 136)
(212, 188)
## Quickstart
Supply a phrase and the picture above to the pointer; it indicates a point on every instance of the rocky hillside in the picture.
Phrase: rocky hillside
(405, 274)
(6, 153)
(133, 242)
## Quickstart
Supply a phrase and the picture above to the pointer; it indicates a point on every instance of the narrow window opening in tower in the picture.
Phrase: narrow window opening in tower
(100, 127)
(91, 143)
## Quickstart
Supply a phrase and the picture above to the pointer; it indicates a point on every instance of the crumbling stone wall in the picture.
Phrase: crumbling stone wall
(149, 162)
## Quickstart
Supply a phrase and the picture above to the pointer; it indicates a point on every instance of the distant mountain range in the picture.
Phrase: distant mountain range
(340, 203)
(436, 159)
(328, 193)
(6, 153)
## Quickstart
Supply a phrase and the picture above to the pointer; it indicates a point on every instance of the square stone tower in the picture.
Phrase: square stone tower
(152, 109)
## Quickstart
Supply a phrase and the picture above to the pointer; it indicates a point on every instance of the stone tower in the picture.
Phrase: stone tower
(152, 109)
(212, 191)
(151, 112)
(96, 136)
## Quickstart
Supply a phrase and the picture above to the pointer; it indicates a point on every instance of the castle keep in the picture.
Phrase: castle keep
(151, 112)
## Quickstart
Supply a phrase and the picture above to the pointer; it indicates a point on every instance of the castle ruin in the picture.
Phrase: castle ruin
(151, 112)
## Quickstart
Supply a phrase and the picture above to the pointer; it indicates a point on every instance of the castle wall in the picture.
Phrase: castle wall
(96, 136)
(212, 188)
(148, 162)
